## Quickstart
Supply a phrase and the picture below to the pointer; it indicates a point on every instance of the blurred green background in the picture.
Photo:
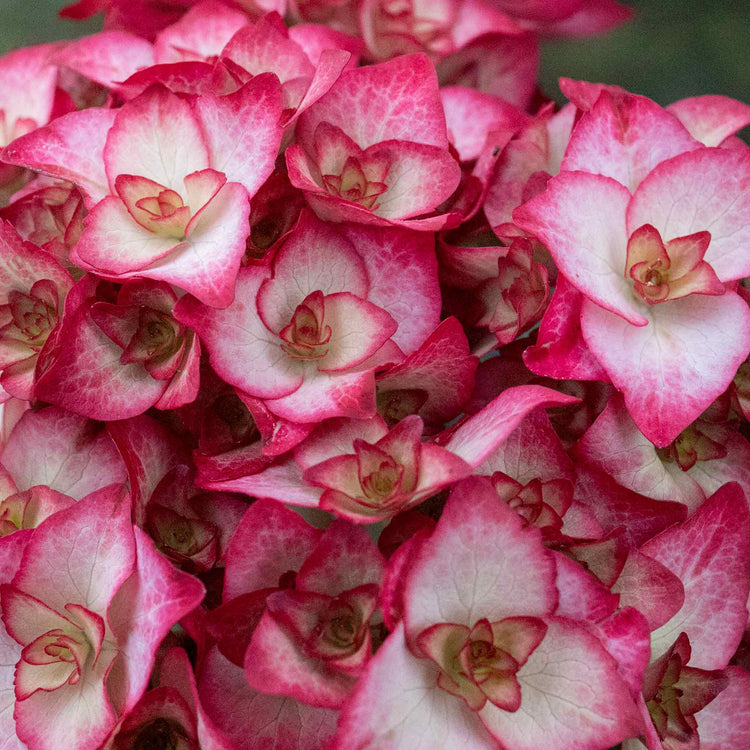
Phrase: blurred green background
(673, 48)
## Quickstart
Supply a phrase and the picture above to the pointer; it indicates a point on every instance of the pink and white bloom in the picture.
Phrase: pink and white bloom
(216, 49)
(28, 80)
(382, 478)
(33, 287)
(51, 459)
(704, 456)
(313, 640)
(306, 334)
(673, 692)
(84, 654)
(362, 471)
(652, 268)
(189, 527)
(174, 212)
(357, 469)
(507, 287)
(284, 578)
(307, 60)
(479, 657)
(374, 149)
(50, 216)
(171, 201)
(132, 353)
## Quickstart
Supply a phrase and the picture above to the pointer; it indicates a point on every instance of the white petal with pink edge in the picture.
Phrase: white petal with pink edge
(479, 435)
(398, 706)
(97, 555)
(571, 696)
(358, 330)
(704, 190)
(71, 148)
(77, 716)
(113, 242)
(395, 100)
(109, 57)
(670, 370)
(53, 446)
(144, 610)
(283, 483)
(711, 119)
(269, 541)
(156, 135)
(580, 217)
(253, 719)
(625, 139)
(325, 395)
(709, 553)
(243, 131)
(480, 562)
(420, 178)
(201, 33)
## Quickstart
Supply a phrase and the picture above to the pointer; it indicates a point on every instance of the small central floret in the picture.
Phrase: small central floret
(540, 504)
(667, 271)
(693, 444)
(58, 656)
(155, 207)
(339, 630)
(163, 210)
(674, 692)
(357, 183)
(163, 205)
(33, 315)
(480, 664)
(187, 542)
(379, 473)
(158, 336)
(307, 336)
(334, 630)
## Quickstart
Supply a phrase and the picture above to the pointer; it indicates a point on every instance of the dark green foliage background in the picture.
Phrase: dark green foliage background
(674, 48)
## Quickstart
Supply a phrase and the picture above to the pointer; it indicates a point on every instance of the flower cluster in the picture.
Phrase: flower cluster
(355, 396)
